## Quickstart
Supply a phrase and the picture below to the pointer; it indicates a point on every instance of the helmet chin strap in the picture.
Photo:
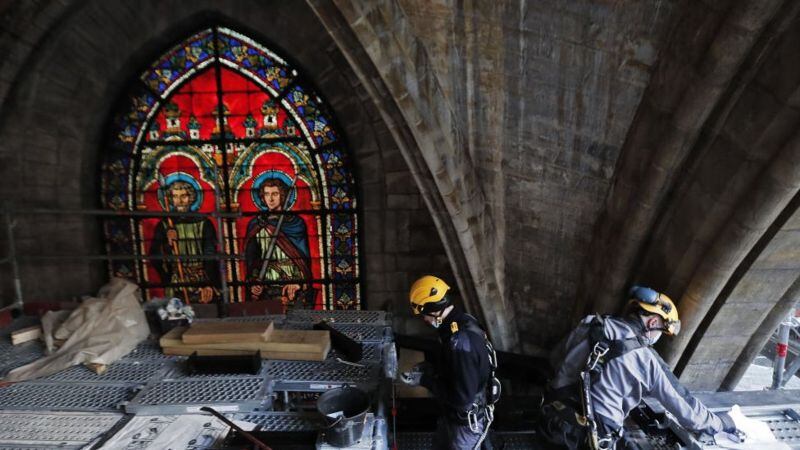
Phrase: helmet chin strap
(649, 337)
(439, 318)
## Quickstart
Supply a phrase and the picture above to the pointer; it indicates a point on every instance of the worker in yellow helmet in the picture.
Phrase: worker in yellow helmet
(463, 379)
(607, 365)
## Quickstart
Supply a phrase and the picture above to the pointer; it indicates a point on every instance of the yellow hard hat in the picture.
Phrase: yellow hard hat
(427, 295)
(657, 303)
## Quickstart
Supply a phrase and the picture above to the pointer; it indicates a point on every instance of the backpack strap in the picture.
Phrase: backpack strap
(604, 349)
(493, 388)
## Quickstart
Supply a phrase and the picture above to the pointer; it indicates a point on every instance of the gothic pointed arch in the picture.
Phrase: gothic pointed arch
(222, 151)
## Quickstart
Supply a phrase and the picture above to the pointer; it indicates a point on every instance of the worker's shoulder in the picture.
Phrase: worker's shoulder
(464, 335)
(640, 359)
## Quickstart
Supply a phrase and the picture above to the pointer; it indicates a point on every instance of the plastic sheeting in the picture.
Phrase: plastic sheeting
(758, 435)
(102, 330)
(190, 431)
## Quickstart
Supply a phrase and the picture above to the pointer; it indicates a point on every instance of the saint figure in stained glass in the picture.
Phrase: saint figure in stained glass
(276, 249)
(185, 237)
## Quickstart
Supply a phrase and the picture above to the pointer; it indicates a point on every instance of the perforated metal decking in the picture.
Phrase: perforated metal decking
(281, 421)
(18, 355)
(312, 376)
(188, 395)
(355, 331)
(339, 316)
(75, 406)
(55, 429)
(54, 396)
(123, 372)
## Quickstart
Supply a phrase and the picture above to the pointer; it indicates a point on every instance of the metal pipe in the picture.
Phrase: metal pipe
(227, 422)
(127, 213)
(223, 269)
(122, 213)
(781, 349)
(12, 256)
(791, 370)
(128, 257)
(11, 307)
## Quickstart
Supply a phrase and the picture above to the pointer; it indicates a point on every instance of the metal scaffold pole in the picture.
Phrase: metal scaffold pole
(12, 256)
(781, 350)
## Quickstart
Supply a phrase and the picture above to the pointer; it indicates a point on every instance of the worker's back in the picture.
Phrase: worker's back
(622, 381)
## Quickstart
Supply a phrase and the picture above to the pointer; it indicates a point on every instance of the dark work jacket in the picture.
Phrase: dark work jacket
(462, 371)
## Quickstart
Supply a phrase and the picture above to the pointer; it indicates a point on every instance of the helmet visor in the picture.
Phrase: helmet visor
(430, 307)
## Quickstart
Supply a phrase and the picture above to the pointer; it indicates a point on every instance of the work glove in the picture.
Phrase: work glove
(729, 426)
(414, 376)
(411, 378)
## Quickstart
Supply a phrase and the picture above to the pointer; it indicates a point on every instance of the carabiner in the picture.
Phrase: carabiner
(605, 443)
(472, 420)
(597, 352)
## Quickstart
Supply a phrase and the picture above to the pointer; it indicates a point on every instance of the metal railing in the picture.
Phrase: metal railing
(12, 257)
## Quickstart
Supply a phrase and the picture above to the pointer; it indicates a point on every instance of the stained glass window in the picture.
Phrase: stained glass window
(232, 174)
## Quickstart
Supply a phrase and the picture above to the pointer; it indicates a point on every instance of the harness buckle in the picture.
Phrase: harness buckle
(600, 349)
(605, 443)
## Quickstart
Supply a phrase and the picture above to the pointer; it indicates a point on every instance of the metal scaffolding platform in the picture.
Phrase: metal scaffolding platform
(339, 316)
(357, 332)
(26, 429)
(181, 396)
(77, 405)
(74, 407)
(313, 376)
(57, 396)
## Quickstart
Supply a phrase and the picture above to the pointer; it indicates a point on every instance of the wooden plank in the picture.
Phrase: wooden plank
(299, 340)
(172, 338)
(26, 334)
(187, 351)
(308, 345)
(97, 368)
(234, 332)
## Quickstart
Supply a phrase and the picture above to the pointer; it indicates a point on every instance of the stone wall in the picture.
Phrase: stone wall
(534, 99)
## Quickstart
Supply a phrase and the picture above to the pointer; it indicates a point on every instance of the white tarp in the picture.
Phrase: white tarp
(199, 431)
(758, 435)
(102, 330)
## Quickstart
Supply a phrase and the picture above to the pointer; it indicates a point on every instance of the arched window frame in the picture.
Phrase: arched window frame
(218, 49)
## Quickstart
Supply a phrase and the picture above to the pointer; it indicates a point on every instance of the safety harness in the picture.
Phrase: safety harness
(602, 351)
(491, 393)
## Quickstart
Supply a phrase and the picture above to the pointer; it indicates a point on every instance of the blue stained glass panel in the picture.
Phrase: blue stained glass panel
(128, 122)
(308, 110)
(179, 61)
(254, 59)
(119, 241)
(345, 296)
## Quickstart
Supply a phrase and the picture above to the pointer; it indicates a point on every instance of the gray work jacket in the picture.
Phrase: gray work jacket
(624, 380)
